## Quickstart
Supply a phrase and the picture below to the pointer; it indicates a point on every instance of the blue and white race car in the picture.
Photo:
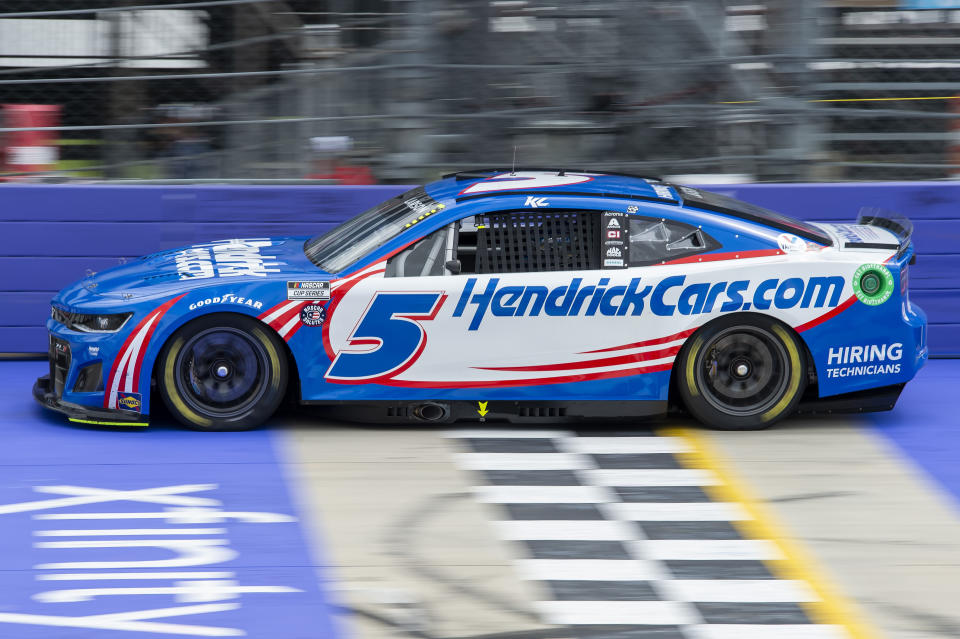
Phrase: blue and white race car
(503, 295)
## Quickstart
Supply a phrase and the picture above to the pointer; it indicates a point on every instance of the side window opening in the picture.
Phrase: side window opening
(426, 257)
(654, 240)
(529, 241)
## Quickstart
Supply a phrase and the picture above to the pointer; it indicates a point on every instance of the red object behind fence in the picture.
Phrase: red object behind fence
(30, 151)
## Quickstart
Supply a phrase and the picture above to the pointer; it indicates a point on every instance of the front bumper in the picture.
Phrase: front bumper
(45, 393)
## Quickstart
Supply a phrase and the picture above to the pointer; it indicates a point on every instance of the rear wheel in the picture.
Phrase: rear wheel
(223, 372)
(742, 373)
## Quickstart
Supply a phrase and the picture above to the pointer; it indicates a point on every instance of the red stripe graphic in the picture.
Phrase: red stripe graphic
(719, 257)
(158, 314)
(649, 342)
(646, 356)
(823, 318)
(539, 381)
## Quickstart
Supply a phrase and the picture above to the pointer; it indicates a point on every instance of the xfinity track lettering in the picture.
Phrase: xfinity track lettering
(668, 297)
(174, 556)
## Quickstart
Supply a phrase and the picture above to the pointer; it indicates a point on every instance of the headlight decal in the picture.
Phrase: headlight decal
(125, 374)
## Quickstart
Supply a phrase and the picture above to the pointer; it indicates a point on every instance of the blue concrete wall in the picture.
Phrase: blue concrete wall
(50, 234)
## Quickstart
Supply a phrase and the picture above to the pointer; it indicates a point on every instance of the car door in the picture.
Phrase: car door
(500, 300)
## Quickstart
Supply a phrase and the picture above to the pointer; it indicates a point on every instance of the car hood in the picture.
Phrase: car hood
(190, 267)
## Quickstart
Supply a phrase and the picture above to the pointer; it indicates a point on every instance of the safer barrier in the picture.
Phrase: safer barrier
(52, 234)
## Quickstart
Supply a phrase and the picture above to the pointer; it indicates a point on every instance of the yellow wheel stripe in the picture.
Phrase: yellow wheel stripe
(832, 607)
(795, 374)
(168, 380)
(691, 366)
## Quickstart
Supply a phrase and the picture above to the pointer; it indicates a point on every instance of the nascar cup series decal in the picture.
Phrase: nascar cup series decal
(226, 258)
(873, 284)
(308, 291)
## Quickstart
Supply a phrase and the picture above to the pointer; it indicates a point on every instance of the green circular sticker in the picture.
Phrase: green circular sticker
(873, 284)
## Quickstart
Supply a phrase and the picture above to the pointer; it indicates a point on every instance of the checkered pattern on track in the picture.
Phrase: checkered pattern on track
(626, 543)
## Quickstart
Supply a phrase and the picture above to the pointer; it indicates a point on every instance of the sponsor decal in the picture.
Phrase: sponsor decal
(663, 191)
(686, 190)
(789, 243)
(865, 359)
(226, 258)
(856, 233)
(313, 315)
(616, 246)
(129, 401)
(873, 284)
(308, 290)
(62, 347)
(93, 351)
(536, 202)
(633, 208)
(227, 298)
(665, 298)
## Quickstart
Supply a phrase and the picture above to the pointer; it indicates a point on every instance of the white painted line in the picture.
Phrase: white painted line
(737, 590)
(586, 530)
(645, 613)
(623, 445)
(505, 433)
(765, 631)
(651, 477)
(589, 569)
(523, 461)
(135, 575)
(542, 494)
(721, 549)
(130, 531)
(666, 511)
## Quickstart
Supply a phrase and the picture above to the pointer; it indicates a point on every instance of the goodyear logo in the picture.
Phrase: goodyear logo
(667, 297)
(129, 401)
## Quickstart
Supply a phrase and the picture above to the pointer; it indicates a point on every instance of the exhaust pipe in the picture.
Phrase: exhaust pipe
(431, 412)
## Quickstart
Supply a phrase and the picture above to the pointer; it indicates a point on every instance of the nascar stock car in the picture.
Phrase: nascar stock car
(507, 295)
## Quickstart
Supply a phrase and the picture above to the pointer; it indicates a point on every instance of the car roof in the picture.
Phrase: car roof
(479, 183)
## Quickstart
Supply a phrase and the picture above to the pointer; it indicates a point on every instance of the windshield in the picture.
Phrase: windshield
(746, 211)
(340, 247)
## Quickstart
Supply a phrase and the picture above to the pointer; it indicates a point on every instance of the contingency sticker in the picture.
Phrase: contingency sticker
(308, 290)
(615, 240)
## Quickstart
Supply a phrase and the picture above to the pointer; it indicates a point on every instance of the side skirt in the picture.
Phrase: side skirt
(514, 412)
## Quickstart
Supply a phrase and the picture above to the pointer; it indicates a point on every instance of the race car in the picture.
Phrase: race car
(503, 295)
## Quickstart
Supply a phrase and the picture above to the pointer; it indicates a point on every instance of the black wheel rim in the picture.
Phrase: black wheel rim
(743, 371)
(222, 372)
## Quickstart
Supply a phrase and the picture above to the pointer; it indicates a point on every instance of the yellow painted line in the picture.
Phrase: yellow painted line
(832, 608)
(93, 421)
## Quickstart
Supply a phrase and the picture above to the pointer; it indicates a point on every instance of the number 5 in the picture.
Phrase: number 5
(391, 325)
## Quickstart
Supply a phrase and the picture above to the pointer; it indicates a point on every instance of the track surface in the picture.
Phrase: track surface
(853, 525)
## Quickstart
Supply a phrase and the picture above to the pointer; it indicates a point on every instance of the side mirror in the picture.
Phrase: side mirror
(453, 266)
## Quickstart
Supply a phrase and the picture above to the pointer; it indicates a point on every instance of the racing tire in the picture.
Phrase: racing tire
(223, 372)
(742, 373)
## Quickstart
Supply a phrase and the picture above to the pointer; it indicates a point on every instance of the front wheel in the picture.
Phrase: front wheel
(742, 373)
(223, 372)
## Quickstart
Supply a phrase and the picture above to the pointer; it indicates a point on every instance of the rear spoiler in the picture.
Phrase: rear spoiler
(893, 222)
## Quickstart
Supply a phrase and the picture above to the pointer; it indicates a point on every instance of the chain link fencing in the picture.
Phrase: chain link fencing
(401, 90)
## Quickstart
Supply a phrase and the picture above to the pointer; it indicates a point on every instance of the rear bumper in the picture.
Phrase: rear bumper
(45, 394)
